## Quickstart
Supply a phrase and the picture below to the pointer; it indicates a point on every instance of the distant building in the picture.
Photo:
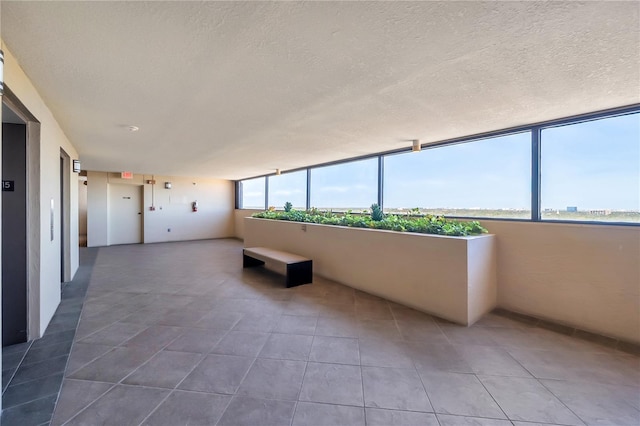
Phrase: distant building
(572, 209)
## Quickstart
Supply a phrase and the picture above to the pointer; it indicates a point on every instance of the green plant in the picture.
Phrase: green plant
(376, 213)
(426, 224)
(288, 206)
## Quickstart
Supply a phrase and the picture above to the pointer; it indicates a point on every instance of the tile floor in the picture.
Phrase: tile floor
(177, 334)
(33, 372)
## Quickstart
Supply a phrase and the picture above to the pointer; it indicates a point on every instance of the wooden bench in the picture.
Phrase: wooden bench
(297, 269)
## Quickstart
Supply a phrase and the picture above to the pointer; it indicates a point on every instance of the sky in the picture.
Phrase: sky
(592, 166)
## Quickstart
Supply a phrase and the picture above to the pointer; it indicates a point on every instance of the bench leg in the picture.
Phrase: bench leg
(299, 273)
(248, 261)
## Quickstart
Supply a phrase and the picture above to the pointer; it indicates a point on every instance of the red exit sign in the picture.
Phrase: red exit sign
(126, 175)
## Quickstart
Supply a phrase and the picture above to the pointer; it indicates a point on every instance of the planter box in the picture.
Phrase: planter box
(451, 277)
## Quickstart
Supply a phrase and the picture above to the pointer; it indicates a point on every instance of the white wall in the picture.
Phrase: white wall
(52, 138)
(431, 273)
(214, 218)
(583, 276)
(239, 222)
(82, 206)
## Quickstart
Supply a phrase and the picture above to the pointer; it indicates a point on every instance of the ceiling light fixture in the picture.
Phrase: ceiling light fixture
(416, 146)
(133, 128)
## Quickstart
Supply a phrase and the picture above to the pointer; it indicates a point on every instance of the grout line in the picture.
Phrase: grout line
(561, 401)
(364, 402)
(83, 284)
(425, 390)
(575, 332)
(89, 404)
(232, 396)
(15, 371)
(529, 378)
(47, 374)
(171, 391)
(506, 416)
(225, 409)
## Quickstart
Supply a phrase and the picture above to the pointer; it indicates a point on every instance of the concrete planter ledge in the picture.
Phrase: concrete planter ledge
(450, 277)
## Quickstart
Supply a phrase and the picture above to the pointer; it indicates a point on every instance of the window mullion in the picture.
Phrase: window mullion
(535, 173)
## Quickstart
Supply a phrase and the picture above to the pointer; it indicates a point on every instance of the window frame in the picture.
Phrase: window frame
(535, 131)
(306, 186)
(537, 150)
(344, 162)
(238, 193)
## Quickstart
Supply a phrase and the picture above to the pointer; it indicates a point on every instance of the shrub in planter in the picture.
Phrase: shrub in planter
(422, 224)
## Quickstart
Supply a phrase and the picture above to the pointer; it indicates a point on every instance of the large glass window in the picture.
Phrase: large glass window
(346, 186)
(252, 193)
(591, 171)
(291, 187)
(484, 178)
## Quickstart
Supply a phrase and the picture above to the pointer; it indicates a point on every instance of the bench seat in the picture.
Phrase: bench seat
(297, 269)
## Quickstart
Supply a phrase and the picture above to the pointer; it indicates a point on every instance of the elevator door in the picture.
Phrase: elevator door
(14, 234)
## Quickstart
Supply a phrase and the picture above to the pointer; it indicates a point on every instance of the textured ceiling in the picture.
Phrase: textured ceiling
(237, 89)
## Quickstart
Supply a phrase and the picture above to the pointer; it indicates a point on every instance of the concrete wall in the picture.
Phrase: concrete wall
(431, 273)
(52, 138)
(239, 215)
(583, 276)
(214, 218)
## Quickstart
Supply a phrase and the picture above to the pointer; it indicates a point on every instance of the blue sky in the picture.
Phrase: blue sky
(591, 165)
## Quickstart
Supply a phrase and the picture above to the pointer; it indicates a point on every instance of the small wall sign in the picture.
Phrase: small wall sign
(8, 185)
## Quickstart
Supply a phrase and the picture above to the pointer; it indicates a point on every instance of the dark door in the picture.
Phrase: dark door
(14, 234)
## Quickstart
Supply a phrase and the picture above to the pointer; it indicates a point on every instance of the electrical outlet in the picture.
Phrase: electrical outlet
(152, 208)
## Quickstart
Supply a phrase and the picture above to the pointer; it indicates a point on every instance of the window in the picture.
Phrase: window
(290, 187)
(345, 186)
(590, 171)
(483, 178)
(252, 193)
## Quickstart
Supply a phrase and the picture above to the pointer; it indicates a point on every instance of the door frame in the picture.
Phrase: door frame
(65, 216)
(141, 189)
(33, 210)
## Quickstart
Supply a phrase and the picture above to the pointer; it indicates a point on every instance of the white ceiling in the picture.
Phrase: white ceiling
(237, 89)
